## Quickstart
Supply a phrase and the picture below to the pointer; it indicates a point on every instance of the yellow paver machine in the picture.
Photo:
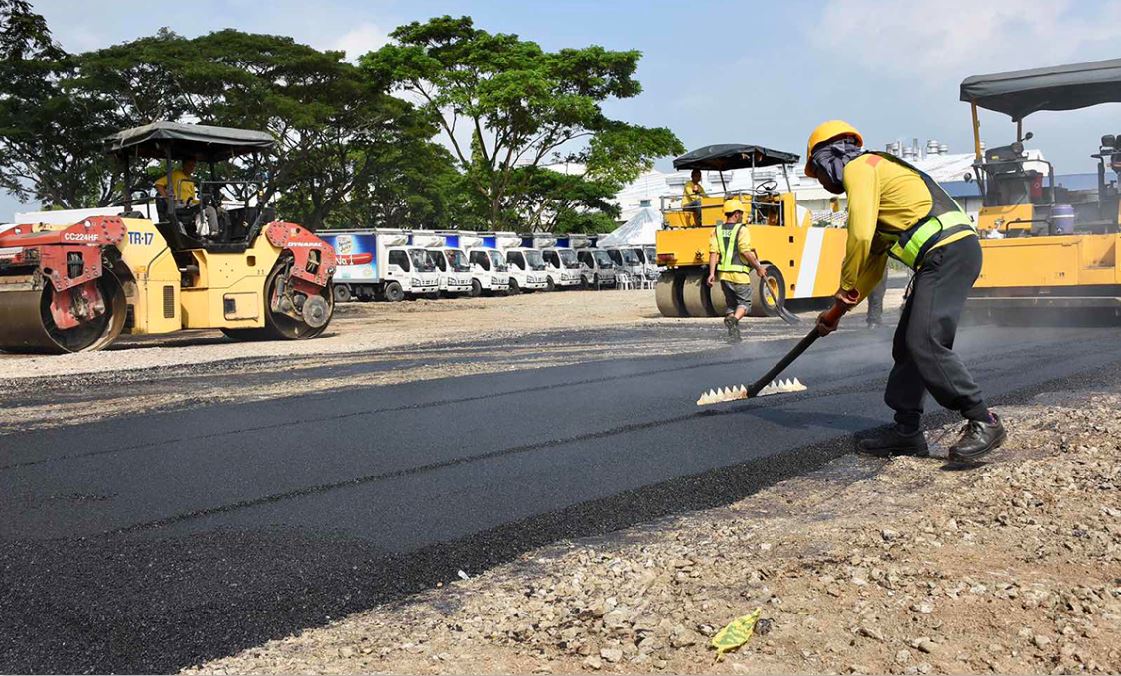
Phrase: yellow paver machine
(1046, 247)
(803, 263)
(76, 287)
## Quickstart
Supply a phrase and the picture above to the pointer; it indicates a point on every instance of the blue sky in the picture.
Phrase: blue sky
(753, 72)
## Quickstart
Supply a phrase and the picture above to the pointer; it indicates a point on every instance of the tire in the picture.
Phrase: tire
(394, 293)
(280, 326)
(760, 305)
(342, 293)
(717, 299)
(476, 289)
(550, 285)
(667, 294)
(695, 293)
(514, 288)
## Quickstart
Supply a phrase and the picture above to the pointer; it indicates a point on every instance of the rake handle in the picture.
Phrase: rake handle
(833, 315)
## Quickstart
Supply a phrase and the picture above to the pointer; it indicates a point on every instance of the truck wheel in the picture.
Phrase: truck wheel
(695, 294)
(342, 293)
(394, 293)
(476, 289)
(550, 285)
(514, 288)
(667, 294)
(761, 303)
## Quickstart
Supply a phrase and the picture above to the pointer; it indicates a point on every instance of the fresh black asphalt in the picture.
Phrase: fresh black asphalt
(153, 542)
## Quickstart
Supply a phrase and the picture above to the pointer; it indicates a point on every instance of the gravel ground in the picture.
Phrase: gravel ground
(866, 566)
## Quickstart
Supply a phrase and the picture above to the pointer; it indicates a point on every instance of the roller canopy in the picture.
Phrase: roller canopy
(1020, 93)
(728, 156)
(198, 141)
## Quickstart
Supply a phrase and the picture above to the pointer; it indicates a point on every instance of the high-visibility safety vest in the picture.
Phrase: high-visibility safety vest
(944, 219)
(730, 258)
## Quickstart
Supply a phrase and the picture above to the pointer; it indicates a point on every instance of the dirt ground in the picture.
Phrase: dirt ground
(867, 566)
(376, 328)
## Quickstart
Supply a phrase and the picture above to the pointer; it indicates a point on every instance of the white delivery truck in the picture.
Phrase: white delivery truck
(626, 260)
(527, 267)
(489, 273)
(452, 268)
(380, 265)
(598, 270)
(561, 267)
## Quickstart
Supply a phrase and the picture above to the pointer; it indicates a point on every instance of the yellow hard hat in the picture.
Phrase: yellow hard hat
(825, 132)
(732, 206)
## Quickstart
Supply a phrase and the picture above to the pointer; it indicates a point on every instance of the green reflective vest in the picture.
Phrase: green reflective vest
(730, 258)
(945, 218)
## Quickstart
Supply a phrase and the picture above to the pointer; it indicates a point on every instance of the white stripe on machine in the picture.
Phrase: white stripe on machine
(811, 256)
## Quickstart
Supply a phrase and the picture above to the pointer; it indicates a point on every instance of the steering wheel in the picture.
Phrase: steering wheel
(767, 187)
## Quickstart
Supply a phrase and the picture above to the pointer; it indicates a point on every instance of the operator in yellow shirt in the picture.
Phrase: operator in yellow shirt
(182, 185)
(691, 198)
(206, 221)
(896, 210)
(731, 258)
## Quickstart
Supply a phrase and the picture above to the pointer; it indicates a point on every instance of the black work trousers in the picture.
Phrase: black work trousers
(924, 341)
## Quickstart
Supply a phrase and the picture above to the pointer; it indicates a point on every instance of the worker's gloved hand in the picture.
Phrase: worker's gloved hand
(711, 278)
(828, 321)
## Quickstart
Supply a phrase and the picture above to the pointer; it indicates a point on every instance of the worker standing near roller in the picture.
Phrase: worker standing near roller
(895, 209)
(731, 260)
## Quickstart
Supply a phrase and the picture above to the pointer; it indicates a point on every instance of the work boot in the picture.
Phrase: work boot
(895, 441)
(978, 439)
(733, 325)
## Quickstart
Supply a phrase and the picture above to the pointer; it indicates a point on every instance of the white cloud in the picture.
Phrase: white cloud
(923, 39)
(365, 37)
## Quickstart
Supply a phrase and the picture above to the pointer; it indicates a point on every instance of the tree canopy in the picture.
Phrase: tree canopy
(505, 105)
(357, 145)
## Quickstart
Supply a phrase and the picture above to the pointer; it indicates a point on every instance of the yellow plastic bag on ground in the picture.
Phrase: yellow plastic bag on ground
(735, 634)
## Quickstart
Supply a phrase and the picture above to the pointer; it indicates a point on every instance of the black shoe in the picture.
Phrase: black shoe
(895, 441)
(733, 325)
(978, 440)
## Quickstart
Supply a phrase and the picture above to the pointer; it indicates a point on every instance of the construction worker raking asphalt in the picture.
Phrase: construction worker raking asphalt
(732, 259)
(896, 210)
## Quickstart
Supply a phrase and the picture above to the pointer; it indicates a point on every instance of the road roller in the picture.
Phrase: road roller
(206, 262)
(803, 263)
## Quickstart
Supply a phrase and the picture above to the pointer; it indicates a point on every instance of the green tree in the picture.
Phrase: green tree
(49, 135)
(504, 104)
(331, 122)
(557, 202)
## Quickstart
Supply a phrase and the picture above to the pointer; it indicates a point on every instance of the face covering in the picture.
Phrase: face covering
(829, 163)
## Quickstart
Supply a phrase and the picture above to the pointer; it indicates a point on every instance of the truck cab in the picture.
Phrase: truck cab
(488, 266)
(598, 270)
(526, 267)
(561, 267)
(452, 270)
(626, 260)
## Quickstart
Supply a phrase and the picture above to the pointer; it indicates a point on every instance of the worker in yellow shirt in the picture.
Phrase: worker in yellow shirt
(731, 259)
(691, 199)
(896, 210)
(206, 221)
(182, 185)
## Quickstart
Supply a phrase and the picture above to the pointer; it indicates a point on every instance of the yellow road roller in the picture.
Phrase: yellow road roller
(1050, 254)
(212, 256)
(803, 262)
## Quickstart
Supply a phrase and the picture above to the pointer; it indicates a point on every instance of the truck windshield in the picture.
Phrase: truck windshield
(630, 257)
(568, 258)
(497, 261)
(602, 259)
(534, 260)
(458, 261)
(421, 261)
(651, 255)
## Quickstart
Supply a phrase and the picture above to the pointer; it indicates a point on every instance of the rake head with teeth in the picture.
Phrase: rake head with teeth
(722, 394)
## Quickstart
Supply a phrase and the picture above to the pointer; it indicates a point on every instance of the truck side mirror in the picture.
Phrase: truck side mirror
(968, 178)
(1029, 136)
